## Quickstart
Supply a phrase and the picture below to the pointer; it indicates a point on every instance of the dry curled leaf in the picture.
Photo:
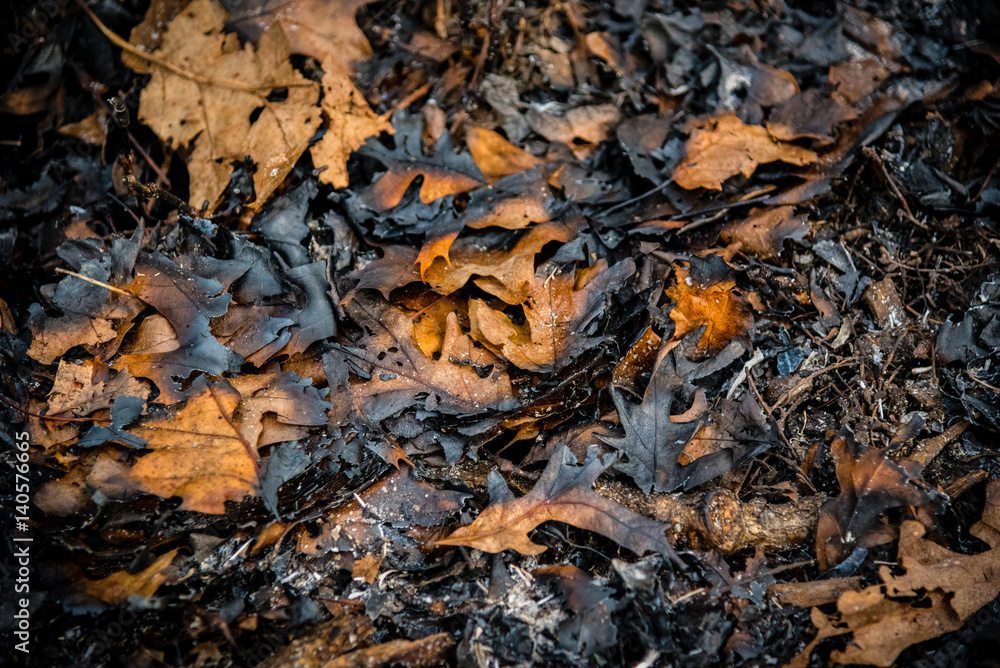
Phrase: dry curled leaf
(558, 317)
(117, 588)
(216, 100)
(724, 147)
(395, 373)
(444, 173)
(937, 592)
(564, 493)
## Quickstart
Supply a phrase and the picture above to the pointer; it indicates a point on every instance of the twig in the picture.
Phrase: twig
(60, 270)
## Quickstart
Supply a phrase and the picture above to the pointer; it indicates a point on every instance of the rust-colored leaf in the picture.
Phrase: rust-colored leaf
(870, 484)
(718, 307)
(564, 493)
(197, 452)
(464, 379)
(763, 233)
(444, 173)
(117, 588)
(557, 317)
(497, 157)
(724, 147)
(936, 594)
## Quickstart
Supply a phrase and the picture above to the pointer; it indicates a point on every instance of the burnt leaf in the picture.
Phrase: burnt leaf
(564, 493)
(188, 302)
(870, 484)
(653, 441)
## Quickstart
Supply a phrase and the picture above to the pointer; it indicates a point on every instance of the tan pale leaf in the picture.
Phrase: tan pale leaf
(215, 102)
(197, 452)
(350, 121)
(497, 157)
(725, 147)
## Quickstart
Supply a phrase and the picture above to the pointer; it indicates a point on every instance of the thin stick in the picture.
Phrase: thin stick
(60, 270)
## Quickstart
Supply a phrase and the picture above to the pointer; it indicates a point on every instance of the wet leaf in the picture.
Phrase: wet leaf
(197, 452)
(949, 587)
(870, 484)
(188, 303)
(564, 494)
(724, 147)
(117, 588)
(653, 440)
(444, 173)
(763, 233)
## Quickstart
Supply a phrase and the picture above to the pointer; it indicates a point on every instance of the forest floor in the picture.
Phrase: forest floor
(489, 333)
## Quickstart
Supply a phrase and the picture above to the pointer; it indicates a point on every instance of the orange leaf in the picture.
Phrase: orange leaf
(725, 147)
(496, 156)
(723, 312)
(197, 452)
(117, 588)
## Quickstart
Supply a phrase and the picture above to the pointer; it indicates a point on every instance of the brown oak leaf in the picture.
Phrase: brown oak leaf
(724, 147)
(214, 98)
(197, 452)
(558, 315)
(463, 379)
(564, 493)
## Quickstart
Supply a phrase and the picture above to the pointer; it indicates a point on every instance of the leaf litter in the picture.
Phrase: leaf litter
(614, 334)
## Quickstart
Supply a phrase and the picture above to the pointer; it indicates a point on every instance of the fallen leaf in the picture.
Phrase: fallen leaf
(395, 373)
(564, 493)
(723, 147)
(214, 98)
(591, 124)
(435, 650)
(197, 452)
(937, 593)
(497, 157)
(188, 303)
(445, 173)
(558, 317)
(87, 387)
(117, 588)
(512, 203)
(499, 266)
(717, 306)
(813, 113)
(764, 231)
(870, 484)
(653, 441)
